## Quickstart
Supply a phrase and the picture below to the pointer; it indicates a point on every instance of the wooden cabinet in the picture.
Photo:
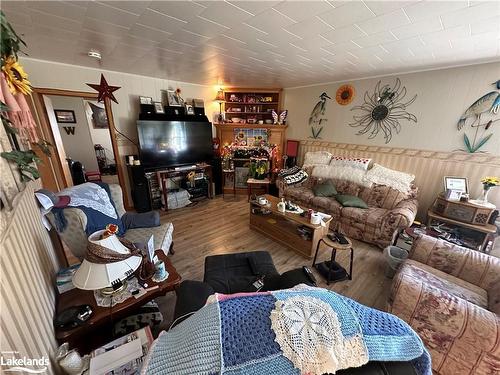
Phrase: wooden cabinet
(251, 105)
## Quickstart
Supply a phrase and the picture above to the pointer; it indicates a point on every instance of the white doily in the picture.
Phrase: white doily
(308, 332)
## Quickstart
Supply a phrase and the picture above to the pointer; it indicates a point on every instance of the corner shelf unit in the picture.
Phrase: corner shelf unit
(251, 104)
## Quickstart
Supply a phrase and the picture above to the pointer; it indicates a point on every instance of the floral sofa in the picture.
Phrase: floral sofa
(450, 296)
(392, 204)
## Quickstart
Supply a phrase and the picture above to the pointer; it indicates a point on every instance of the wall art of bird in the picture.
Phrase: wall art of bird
(316, 119)
(497, 84)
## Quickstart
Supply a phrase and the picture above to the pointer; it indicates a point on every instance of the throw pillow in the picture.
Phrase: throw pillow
(350, 201)
(324, 189)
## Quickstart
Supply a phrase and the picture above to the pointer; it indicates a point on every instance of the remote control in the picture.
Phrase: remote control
(310, 275)
(340, 237)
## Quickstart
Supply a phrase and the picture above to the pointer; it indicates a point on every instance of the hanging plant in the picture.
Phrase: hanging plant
(18, 84)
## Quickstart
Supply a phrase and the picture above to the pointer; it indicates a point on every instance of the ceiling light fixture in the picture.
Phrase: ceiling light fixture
(94, 54)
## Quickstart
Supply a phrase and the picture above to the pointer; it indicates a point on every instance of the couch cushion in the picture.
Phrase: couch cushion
(324, 189)
(441, 280)
(327, 205)
(382, 196)
(350, 201)
(299, 195)
(363, 217)
(162, 236)
(346, 187)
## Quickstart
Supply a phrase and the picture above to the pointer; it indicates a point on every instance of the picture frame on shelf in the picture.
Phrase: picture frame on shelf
(189, 109)
(145, 100)
(456, 183)
(453, 195)
(159, 108)
(65, 116)
(173, 100)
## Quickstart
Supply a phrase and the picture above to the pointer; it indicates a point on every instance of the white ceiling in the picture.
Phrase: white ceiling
(260, 43)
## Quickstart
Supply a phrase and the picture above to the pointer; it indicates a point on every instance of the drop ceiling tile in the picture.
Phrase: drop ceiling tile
(18, 18)
(111, 15)
(269, 21)
(61, 22)
(160, 21)
(135, 41)
(224, 13)
(98, 38)
(347, 14)
(424, 26)
(145, 32)
(424, 9)
(300, 12)
(309, 28)
(61, 9)
(471, 14)
(487, 25)
(105, 48)
(183, 10)
(205, 27)
(402, 46)
(186, 36)
(135, 7)
(382, 7)
(374, 39)
(343, 34)
(384, 22)
(102, 27)
(15, 6)
(439, 37)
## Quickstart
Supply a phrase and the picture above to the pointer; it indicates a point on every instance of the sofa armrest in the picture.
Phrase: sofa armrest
(401, 216)
(472, 266)
(73, 235)
(460, 336)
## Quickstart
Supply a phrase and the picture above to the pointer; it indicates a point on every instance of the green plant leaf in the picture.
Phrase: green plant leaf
(482, 142)
(467, 144)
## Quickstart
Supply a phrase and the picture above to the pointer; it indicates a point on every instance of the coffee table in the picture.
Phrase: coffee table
(283, 227)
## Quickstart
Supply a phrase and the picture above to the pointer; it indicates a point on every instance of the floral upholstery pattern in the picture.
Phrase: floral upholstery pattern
(388, 211)
(447, 304)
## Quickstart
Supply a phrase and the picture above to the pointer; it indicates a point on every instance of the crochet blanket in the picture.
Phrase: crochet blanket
(94, 199)
(293, 175)
(294, 331)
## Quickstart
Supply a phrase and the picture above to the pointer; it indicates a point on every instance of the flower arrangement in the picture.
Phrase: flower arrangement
(489, 182)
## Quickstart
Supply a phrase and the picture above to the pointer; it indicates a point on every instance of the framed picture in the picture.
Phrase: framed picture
(456, 183)
(97, 115)
(159, 107)
(173, 99)
(453, 195)
(145, 100)
(65, 116)
(189, 109)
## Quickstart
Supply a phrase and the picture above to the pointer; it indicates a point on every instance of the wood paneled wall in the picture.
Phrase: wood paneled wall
(27, 270)
(428, 167)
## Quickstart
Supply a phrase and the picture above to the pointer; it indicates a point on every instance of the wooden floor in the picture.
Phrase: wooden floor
(220, 226)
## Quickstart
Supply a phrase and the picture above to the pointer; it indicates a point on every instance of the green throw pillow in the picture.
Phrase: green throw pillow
(324, 189)
(350, 201)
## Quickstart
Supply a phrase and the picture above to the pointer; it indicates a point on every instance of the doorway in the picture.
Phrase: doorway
(83, 135)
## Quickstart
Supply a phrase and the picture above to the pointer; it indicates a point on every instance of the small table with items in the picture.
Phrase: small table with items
(98, 329)
(339, 272)
(253, 183)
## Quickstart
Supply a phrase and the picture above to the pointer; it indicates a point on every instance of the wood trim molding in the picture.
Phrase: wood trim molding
(456, 156)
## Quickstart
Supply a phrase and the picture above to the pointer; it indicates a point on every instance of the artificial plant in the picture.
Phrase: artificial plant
(11, 44)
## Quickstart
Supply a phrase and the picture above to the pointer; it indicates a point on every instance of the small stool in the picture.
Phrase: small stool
(334, 245)
(225, 174)
(253, 183)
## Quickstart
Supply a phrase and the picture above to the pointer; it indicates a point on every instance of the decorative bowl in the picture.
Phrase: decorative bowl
(268, 121)
(236, 120)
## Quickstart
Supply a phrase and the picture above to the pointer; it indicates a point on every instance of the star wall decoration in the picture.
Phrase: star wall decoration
(104, 90)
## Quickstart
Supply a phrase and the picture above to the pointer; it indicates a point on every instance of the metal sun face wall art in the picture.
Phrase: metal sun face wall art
(382, 111)
(489, 102)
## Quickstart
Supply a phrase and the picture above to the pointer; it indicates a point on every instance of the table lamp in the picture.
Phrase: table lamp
(220, 99)
(106, 266)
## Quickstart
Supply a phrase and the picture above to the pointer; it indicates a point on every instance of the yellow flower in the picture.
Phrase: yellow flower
(491, 181)
(16, 77)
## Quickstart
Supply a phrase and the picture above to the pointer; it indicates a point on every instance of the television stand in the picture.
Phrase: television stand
(165, 174)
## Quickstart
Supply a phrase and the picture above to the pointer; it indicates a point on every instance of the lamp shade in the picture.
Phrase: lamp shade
(220, 96)
(93, 276)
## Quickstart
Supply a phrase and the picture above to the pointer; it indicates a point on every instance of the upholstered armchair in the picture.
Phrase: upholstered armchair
(75, 238)
(450, 296)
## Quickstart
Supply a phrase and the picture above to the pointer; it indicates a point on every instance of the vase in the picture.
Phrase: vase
(483, 198)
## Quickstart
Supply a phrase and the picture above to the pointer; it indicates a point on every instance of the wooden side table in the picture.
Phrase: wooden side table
(226, 173)
(253, 183)
(334, 245)
(96, 331)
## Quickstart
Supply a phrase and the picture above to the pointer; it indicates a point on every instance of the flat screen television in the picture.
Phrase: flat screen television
(174, 143)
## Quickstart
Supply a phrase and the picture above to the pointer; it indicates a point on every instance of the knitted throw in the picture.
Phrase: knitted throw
(290, 332)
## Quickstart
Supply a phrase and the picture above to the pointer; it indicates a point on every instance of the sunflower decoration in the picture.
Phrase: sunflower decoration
(382, 111)
(16, 77)
(345, 94)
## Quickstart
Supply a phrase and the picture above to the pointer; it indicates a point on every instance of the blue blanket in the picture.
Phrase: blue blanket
(94, 199)
(289, 332)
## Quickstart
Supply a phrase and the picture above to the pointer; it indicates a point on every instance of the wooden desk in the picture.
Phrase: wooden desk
(487, 230)
(97, 331)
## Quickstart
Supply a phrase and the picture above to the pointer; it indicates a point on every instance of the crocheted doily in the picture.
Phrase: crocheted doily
(308, 332)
